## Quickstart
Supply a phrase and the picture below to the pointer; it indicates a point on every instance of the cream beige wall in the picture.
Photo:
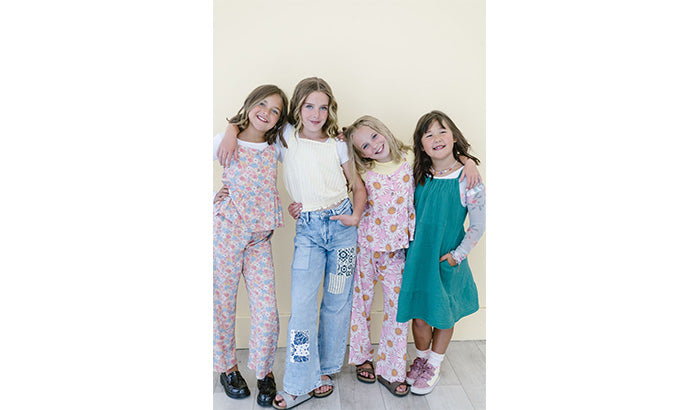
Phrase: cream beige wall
(395, 60)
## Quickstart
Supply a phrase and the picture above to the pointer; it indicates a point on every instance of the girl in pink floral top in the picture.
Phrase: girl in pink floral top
(386, 227)
(246, 212)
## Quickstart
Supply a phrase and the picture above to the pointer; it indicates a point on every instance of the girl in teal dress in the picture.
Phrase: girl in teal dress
(438, 288)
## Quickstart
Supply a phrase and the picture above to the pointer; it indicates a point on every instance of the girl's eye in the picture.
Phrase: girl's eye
(374, 136)
(307, 106)
(364, 147)
(324, 108)
(275, 112)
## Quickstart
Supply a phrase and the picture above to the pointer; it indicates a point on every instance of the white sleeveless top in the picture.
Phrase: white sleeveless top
(312, 171)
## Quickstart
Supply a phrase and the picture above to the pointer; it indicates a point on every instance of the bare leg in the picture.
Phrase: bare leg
(422, 334)
(441, 339)
(233, 369)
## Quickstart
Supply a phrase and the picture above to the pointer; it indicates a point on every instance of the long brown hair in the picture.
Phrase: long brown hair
(423, 163)
(254, 98)
(301, 91)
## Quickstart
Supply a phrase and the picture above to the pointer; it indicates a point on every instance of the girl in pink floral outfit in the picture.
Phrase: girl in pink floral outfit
(246, 212)
(386, 227)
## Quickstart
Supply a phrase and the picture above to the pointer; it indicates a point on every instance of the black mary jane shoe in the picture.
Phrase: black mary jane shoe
(266, 391)
(234, 384)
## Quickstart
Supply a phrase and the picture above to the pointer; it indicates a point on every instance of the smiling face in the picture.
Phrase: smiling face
(314, 112)
(437, 142)
(266, 113)
(371, 144)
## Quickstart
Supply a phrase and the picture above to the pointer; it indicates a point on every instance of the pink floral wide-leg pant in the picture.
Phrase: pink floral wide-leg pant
(387, 267)
(238, 251)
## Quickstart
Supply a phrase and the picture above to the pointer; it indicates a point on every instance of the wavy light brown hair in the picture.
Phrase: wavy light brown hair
(423, 163)
(301, 91)
(254, 98)
(361, 164)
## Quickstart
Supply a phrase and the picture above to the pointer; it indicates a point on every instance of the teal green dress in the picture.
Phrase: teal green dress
(432, 290)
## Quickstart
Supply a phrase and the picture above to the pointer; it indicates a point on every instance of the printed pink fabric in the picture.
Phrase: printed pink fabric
(389, 219)
(238, 251)
(243, 224)
(253, 197)
(387, 267)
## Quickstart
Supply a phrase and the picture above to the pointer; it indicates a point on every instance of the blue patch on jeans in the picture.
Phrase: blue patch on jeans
(345, 266)
(346, 261)
(299, 350)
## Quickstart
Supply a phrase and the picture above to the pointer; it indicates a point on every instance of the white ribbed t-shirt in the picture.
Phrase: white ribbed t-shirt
(312, 171)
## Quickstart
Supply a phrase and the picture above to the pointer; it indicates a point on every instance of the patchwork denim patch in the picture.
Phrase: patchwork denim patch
(299, 350)
(345, 266)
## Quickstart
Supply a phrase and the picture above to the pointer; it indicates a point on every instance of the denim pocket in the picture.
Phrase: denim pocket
(301, 258)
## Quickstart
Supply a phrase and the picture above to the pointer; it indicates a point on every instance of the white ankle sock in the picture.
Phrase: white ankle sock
(423, 354)
(435, 359)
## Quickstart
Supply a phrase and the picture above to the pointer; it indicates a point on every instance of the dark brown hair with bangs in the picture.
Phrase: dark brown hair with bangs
(423, 163)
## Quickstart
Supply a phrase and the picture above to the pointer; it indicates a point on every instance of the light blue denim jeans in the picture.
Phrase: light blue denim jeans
(323, 249)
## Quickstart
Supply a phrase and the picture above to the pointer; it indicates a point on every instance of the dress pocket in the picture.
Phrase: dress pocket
(448, 273)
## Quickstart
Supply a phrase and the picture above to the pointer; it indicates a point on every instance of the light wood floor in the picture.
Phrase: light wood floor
(462, 385)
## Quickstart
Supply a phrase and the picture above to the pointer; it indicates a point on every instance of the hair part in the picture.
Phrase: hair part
(301, 91)
(254, 98)
(360, 163)
(423, 163)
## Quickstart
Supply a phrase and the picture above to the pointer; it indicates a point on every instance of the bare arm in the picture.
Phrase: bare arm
(294, 209)
(223, 193)
(228, 149)
(470, 172)
(359, 198)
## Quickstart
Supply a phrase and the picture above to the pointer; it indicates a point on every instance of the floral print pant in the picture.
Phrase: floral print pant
(387, 267)
(240, 252)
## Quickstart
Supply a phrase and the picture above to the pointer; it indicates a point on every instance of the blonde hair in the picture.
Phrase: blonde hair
(254, 98)
(360, 163)
(301, 91)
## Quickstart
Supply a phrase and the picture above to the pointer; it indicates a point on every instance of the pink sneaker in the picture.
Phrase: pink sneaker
(427, 380)
(415, 370)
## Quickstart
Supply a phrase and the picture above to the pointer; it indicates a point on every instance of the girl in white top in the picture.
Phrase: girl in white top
(316, 174)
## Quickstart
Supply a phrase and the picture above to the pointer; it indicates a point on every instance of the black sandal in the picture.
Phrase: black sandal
(324, 382)
(369, 370)
(392, 387)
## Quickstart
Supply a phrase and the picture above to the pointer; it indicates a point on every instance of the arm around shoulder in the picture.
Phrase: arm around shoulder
(470, 172)
(228, 149)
